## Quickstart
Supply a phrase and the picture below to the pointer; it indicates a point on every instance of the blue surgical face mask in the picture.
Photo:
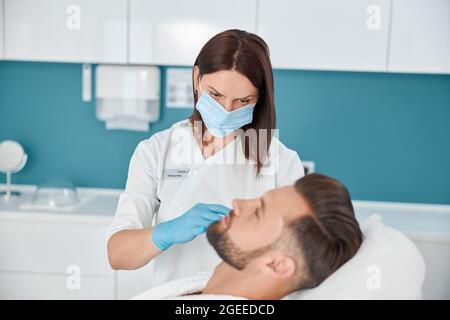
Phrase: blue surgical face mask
(219, 121)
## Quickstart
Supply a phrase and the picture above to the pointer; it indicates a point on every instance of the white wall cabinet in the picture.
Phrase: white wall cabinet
(349, 35)
(66, 30)
(324, 34)
(420, 36)
(172, 32)
(1, 31)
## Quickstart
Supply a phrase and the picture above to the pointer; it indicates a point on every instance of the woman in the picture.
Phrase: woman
(184, 178)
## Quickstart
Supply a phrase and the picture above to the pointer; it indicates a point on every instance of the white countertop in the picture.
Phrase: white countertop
(98, 205)
(414, 219)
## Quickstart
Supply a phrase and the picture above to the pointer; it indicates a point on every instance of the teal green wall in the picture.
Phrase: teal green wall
(386, 136)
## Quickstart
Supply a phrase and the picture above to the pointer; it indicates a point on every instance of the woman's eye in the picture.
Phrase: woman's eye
(214, 94)
(245, 101)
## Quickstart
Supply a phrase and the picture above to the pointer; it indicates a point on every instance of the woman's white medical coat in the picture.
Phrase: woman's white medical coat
(167, 175)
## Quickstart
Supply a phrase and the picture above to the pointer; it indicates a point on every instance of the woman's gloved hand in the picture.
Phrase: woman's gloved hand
(186, 227)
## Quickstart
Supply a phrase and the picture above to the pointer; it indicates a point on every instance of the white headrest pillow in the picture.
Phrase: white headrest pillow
(388, 265)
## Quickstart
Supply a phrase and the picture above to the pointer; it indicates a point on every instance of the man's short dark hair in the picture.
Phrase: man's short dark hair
(330, 235)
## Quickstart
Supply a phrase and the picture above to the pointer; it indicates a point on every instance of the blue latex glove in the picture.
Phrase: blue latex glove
(186, 227)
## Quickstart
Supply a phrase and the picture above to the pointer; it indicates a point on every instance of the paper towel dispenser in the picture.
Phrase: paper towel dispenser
(127, 97)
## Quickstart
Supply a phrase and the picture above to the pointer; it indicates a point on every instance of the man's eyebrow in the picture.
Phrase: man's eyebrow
(212, 88)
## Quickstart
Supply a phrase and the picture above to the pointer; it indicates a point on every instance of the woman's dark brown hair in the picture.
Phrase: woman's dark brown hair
(330, 236)
(248, 54)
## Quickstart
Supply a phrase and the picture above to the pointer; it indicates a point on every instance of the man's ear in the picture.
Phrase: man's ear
(279, 265)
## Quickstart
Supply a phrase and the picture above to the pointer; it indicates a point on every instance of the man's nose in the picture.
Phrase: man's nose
(241, 206)
(236, 204)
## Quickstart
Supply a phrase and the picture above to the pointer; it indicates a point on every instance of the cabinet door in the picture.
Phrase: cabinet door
(53, 247)
(326, 34)
(172, 32)
(130, 283)
(436, 253)
(420, 36)
(1, 30)
(19, 285)
(66, 30)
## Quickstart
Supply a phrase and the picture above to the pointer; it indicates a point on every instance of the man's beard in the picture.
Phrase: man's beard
(228, 251)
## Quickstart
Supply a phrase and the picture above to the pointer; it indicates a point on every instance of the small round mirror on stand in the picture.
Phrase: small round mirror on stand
(12, 160)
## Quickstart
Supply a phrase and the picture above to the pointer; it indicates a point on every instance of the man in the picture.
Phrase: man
(291, 238)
